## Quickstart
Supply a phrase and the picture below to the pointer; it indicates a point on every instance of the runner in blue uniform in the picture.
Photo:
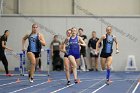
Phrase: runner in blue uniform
(36, 40)
(74, 51)
(106, 53)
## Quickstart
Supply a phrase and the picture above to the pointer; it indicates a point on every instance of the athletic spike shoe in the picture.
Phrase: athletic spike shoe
(108, 82)
(75, 81)
(31, 80)
(68, 83)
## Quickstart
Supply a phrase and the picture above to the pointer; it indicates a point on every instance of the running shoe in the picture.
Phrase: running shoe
(108, 82)
(9, 74)
(75, 81)
(31, 80)
(68, 83)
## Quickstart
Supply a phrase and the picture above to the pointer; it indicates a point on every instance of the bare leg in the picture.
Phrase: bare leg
(66, 63)
(85, 61)
(103, 63)
(82, 62)
(92, 63)
(37, 63)
(74, 64)
(32, 59)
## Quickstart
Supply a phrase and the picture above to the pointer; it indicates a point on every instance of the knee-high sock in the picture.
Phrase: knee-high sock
(108, 74)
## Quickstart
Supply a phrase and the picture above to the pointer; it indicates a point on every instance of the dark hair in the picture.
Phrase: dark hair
(81, 29)
(55, 36)
(68, 30)
(5, 31)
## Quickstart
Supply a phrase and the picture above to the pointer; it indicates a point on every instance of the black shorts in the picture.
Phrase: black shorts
(91, 55)
(65, 55)
(83, 53)
(105, 55)
(36, 54)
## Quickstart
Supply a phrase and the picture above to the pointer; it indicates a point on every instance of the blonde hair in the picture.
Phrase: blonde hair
(108, 27)
(34, 24)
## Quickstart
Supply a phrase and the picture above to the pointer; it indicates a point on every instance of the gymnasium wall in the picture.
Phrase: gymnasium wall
(126, 29)
(69, 7)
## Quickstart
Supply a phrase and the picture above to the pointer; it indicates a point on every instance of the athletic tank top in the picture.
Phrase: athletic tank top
(67, 48)
(108, 43)
(73, 45)
(34, 43)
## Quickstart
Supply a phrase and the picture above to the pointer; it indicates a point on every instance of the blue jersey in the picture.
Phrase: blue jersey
(34, 43)
(107, 44)
(74, 48)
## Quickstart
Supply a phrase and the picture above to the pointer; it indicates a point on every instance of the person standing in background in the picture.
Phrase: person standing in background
(94, 57)
(83, 50)
(3, 41)
(55, 50)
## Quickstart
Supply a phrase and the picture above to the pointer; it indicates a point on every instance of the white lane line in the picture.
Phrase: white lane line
(91, 86)
(12, 83)
(28, 87)
(129, 89)
(62, 88)
(99, 88)
(8, 79)
(136, 87)
(114, 80)
(7, 84)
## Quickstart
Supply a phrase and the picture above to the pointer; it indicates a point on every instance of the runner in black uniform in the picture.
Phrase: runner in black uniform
(106, 53)
(36, 40)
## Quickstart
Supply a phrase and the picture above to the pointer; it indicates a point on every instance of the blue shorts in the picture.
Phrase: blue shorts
(76, 56)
